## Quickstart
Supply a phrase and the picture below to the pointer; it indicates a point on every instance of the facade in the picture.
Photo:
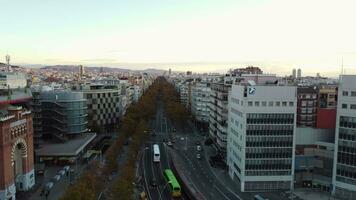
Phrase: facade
(60, 114)
(261, 136)
(200, 100)
(307, 106)
(327, 97)
(16, 152)
(344, 171)
(314, 167)
(218, 114)
(12, 80)
(103, 104)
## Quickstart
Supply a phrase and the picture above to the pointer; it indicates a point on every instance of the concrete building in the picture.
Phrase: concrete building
(200, 100)
(137, 92)
(16, 152)
(218, 107)
(307, 106)
(261, 136)
(344, 171)
(103, 104)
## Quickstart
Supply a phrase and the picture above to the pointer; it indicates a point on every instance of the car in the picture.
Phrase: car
(182, 138)
(208, 141)
(169, 143)
(174, 130)
(154, 182)
(198, 156)
(197, 142)
(199, 148)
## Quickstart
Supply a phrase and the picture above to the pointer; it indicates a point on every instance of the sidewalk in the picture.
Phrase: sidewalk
(310, 194)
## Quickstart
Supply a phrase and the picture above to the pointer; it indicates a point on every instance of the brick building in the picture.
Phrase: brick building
(16, 152)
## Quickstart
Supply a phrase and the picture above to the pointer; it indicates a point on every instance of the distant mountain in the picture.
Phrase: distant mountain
(75, 68)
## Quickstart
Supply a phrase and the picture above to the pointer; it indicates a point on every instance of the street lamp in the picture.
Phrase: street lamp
(160, 193)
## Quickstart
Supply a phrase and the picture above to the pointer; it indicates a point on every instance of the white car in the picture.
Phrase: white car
(198, 148)
(169, 143)
(198, 156)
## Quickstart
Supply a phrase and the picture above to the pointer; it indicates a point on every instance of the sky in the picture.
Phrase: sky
(197, 35)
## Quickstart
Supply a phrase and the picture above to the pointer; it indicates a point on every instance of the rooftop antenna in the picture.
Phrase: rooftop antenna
(7, 57)
(342, 65)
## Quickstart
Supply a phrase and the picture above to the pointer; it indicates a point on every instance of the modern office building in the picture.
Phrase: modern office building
(307, 106)
(16, 151)
(104, 106)
(200, 100)
(261, 136)
(218, 108)
(344, 171)
(60, 114)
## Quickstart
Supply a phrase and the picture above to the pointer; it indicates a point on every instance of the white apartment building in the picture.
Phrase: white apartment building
(261, 136)
(199, 101)
(344, 170)
(184, 88)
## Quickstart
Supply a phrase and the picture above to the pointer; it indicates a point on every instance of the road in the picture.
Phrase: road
(198, 171)
(154, 170)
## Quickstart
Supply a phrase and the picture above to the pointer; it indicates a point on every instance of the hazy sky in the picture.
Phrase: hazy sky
(200, 35)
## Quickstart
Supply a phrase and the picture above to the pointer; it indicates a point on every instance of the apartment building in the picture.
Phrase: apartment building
(200, 100)
(218, 107)
(307, 106)
(261, 136)
(344, 171)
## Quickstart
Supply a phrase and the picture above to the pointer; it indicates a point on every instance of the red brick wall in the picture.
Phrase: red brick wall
(326, 118)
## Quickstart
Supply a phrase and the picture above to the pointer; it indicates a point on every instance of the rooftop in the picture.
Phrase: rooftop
(70, 148)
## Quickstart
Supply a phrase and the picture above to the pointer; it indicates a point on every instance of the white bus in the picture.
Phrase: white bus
(156, 154)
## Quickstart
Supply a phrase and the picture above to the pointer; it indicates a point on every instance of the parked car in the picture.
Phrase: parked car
(197, 142)
(169, 143)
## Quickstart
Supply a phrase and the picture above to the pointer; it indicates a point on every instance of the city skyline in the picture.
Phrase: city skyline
(201, 36)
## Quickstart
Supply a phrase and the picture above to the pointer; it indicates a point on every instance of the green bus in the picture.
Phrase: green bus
(173, 183)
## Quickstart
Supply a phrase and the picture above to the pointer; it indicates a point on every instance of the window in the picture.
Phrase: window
(353, 106)
(345, 93)
(278, 103)
(344, 106)
(284, 103)
(291, 104)
(270, 104)
(250, 103)
(353, 93)
(264, 103)
(257, 103)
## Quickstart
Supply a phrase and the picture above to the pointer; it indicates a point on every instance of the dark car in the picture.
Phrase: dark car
(208, 141)
(153, 182)
(197, 142)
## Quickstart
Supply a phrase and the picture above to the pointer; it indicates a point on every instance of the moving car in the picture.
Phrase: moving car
(198, 156)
